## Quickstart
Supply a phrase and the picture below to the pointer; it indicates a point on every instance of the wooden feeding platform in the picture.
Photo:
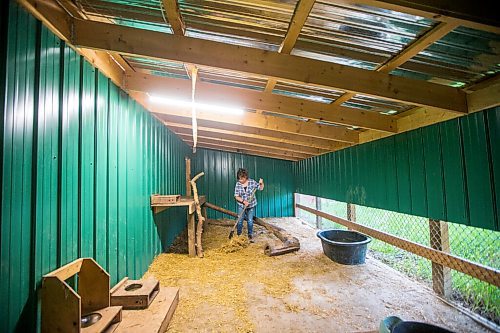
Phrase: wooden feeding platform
(88, 310)
(155, 318)
(134, 294)
(159, 204)
(181, 201)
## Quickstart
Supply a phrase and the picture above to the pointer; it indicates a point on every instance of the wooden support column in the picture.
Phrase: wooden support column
(191, 235)
(440, 240)
(188, 176)
(318, 218)
(351, 213)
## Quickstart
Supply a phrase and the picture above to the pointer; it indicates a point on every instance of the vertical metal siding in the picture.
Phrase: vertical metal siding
(220, 178)
(79, 160)
(448, 171)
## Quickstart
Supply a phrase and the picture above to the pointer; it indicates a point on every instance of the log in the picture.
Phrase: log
(290, 243)
(201, 219)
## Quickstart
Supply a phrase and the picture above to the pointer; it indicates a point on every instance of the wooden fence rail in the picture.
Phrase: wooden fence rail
(465, 266)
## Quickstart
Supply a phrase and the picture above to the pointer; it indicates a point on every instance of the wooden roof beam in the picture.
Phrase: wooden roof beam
(468, 13)
(257, 133)
(180, 129)
(174, 16)
(245, 146)
(249, 119)
(299, 18)
(127, 40)
(421, 43)
(243, 151)
(250, 99)
(58, 18)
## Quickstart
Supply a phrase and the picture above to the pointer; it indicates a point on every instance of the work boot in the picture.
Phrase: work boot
(250, 238)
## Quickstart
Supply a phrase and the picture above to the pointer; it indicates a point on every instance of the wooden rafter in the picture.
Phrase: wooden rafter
(250, 99)
(174, 17)
(244, 145)
(248, 119)
(467, 13)
(239, 137)
(245, 151)
(421, 43)
(257, 133)
(158, 45)
(299, 18)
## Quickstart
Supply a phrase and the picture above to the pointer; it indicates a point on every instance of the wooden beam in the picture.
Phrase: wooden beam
(51, 14)
(484, 273)
(419, 44)
(246, 152)
(249, 119)
(250, 99)
(469, 14)
(244, 146)
(57, 19)
(258, 133)
(181, 129)
(152, 44)
(484, 98)
(174, 16)
(299, 18)
(415, 119)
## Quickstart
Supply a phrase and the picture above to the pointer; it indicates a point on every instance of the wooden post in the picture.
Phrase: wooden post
(351, 213)
(318, 218)
(440, 240)
(188, 176)
(191, 235)
(201, 219)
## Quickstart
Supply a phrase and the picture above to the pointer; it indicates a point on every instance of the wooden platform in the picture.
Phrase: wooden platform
(134, 294)
(155, 318)
(183, 201)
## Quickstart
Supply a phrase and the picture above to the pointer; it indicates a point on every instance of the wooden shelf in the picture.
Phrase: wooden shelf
(183, 201)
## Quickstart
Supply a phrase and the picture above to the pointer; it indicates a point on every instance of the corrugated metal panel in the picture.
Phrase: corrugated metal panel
(494, 136)
(351, 35)
(79, 162)
(477, 171)
(220, 178)
(463, 56)
(448, 171)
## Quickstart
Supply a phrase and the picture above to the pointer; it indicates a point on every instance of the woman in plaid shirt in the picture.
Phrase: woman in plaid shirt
(242, 193)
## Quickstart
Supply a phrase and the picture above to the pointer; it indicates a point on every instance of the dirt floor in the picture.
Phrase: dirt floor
(236, 288)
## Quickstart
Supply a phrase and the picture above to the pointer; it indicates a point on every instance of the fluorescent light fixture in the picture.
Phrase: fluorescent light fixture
(199, 106)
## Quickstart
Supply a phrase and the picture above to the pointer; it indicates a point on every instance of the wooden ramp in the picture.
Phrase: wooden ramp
(155, 318)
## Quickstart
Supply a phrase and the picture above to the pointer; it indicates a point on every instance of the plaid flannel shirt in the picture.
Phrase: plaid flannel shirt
(245, 195)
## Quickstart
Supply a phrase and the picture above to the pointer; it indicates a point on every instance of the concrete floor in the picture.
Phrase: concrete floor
(323, 297)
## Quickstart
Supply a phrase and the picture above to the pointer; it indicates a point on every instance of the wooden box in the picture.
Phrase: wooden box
(86, 309)
(134, 294)
(157, 199)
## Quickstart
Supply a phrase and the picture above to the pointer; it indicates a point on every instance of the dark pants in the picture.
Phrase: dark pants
(248, 215)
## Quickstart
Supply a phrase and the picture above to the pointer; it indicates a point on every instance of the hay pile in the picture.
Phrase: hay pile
(221, 280)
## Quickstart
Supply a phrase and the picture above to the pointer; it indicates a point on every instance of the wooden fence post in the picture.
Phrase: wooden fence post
(318, 218)
(440, 240)
(351, 213)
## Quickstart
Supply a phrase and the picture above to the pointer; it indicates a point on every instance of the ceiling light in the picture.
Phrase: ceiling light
(199, 106)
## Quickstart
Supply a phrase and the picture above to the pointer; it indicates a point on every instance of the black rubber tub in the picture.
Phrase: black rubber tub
(344, 246)
(417, 327)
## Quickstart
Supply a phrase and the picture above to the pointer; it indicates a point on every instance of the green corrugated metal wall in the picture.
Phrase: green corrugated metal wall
(448, 171)
(220, 178)
(79, 160)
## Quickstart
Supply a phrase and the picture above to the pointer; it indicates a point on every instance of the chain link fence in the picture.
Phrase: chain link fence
(474, 244)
